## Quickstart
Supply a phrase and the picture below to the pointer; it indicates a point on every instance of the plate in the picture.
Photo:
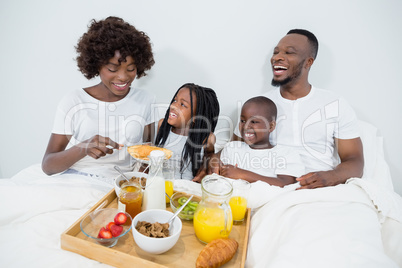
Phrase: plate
(140, 152)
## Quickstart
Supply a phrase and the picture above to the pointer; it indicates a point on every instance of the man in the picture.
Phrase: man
(316, 122)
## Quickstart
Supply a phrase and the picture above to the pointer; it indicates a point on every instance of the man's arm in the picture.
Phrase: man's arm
(352, 162)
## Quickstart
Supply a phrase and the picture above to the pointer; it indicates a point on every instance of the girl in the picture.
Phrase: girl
(188, 127)
(93, 121)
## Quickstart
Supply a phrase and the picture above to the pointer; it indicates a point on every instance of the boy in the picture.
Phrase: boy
(256, 158)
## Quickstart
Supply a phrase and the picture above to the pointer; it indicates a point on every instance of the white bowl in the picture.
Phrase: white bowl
(128, 175)
(156, 245)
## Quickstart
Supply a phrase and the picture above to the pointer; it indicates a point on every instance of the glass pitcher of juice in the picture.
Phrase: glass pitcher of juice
(213, 216)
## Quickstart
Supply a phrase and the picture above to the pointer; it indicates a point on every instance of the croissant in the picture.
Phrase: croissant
(216, 253)
(142, 151)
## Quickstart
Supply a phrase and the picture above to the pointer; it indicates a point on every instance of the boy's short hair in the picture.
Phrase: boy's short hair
(270, 107)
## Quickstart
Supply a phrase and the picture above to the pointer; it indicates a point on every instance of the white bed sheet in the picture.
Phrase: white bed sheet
(353, 225)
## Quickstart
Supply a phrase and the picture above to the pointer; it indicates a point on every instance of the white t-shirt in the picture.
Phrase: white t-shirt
(123, 121)
(310, 124)
(175, 143)
(279, 160)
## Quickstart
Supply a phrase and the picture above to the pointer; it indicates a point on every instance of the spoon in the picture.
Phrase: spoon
(121, 173)
(179, 210)
(168, 196)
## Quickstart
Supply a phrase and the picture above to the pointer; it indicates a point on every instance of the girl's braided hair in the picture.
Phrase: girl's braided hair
(204, 122)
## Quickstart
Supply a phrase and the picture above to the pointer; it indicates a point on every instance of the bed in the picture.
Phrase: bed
(357, 224)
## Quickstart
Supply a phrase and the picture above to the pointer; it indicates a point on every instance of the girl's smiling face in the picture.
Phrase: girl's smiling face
(180, 111)
(117, 76)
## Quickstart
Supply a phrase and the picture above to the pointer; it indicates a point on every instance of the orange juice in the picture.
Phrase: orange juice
(131, 197)
(238, 204)
(168, 190)
(209, 224)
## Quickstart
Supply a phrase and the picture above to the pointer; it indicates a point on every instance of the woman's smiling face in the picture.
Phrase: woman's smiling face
(180, 110)
(117, 76)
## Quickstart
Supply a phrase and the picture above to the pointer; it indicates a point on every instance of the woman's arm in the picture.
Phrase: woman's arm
(57, 159)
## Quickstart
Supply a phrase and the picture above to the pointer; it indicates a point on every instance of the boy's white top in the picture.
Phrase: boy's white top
(175, 143)
(310, 124)
(123, 121)
(279, 160)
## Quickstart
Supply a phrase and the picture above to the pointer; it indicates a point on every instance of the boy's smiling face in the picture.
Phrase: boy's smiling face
(255, 127)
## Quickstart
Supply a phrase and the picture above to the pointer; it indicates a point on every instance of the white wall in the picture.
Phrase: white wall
(220, 44)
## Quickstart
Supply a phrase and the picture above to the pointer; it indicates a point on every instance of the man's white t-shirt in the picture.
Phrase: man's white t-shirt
(279, 160)
(310, 124)
(123, 121)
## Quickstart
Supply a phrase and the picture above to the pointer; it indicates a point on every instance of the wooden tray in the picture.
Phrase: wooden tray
(126, 253)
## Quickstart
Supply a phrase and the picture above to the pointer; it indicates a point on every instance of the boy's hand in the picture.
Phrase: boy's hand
(230, 171)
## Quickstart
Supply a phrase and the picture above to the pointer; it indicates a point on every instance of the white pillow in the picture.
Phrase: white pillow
(375, 167)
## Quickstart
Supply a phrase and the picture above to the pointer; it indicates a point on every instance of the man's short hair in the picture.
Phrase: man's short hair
(311, 39)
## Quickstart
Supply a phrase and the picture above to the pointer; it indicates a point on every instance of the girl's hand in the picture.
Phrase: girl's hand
(98, 146)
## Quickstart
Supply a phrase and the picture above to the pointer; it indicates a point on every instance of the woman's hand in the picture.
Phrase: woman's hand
(98, 146)
(58, 159)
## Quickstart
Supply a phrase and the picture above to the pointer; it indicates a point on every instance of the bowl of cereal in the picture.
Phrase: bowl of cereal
(138, 177)
(152, 233)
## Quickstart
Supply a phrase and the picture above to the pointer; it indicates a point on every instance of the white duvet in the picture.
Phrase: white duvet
(358, 224)
(330, 227)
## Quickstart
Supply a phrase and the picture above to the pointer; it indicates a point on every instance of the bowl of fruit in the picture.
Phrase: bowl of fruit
(178, 199)
(106, 226)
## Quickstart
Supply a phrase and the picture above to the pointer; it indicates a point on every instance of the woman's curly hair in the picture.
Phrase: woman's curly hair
(104, 37)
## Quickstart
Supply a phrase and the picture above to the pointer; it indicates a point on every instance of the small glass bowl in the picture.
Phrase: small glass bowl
(184, 214)
(97, 219)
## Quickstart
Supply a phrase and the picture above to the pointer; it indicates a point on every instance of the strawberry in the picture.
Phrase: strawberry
(120, 218)
(116, 230)
(109, 225)
(104, 233)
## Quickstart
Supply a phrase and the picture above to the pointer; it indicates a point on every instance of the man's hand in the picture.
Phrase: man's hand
(318, 179)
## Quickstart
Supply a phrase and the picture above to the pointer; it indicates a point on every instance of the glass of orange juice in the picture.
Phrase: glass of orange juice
(168, 171)
(130, 199)
(238, 200)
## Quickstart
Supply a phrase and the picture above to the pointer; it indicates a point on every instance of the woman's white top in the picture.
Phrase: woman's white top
(123, 121)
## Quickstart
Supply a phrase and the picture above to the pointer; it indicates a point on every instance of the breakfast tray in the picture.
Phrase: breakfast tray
(126, 253)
